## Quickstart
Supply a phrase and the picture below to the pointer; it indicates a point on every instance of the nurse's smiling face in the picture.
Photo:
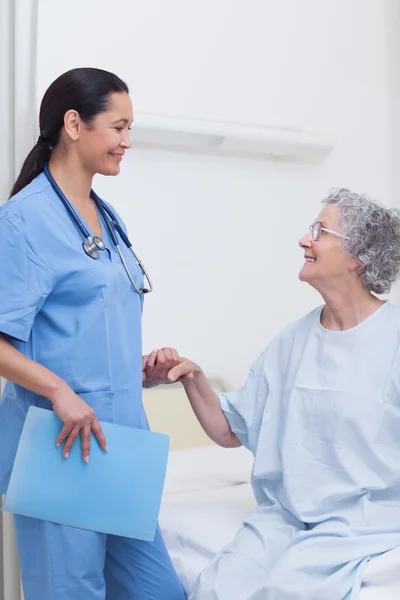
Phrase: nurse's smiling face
(325, 261)
(101, 145)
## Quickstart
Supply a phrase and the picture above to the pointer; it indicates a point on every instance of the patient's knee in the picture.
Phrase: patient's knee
(229, 576)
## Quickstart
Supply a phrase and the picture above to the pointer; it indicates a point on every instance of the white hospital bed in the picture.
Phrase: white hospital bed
(206, 497)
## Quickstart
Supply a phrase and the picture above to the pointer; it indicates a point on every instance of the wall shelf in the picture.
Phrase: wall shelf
(218, 137)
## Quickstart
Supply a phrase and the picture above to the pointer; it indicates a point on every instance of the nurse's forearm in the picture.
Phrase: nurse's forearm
(27, 373)
(78, 417)
(207, 408)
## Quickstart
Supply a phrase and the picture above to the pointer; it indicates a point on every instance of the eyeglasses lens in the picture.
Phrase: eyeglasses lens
(316, 231)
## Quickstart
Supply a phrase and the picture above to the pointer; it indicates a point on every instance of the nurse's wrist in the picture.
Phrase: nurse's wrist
(56, 389)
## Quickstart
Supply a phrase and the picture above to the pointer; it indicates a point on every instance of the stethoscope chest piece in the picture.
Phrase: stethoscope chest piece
(91, 246)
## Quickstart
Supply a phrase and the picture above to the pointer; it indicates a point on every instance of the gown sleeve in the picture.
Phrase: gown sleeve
(25, 282)
(244, 409)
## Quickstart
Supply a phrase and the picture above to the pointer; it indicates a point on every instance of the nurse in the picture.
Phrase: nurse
(70, 335)
(320, 412)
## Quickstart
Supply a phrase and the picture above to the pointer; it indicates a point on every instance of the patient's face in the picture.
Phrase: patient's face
(326, 263)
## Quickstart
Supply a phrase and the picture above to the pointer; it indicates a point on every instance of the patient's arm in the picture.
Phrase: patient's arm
(205, 403)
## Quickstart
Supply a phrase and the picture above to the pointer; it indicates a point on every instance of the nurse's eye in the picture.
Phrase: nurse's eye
(119, 128)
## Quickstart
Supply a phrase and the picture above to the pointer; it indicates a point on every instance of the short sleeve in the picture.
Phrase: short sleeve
(25, 282)
(244, 409)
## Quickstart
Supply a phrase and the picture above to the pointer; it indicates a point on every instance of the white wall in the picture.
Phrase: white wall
(219, 235)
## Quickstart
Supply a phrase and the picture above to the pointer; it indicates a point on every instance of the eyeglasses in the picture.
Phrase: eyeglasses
(317, 230)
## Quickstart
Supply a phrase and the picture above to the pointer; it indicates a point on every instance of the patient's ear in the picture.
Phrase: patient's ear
(353, 264)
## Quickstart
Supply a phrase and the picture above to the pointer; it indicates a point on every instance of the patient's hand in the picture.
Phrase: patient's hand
(156, 366)
(184, 371)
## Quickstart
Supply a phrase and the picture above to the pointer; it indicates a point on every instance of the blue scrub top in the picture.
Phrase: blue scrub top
(79, 317)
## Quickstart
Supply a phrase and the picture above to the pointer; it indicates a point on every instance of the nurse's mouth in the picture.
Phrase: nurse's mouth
(118, 157)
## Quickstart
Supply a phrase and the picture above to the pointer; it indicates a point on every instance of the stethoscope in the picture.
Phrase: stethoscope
(92, 245)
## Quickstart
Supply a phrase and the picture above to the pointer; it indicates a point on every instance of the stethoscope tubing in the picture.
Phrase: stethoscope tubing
(91, 245)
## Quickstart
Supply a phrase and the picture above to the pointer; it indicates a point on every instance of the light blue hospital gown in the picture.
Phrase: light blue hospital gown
(320, 411)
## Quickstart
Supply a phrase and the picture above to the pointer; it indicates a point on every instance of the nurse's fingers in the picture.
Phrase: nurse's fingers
(159, 367)
(160, 360)
(151, 360)
(70, 440)
(171, 357)
(171, 360)
(86, 434)
(144, 363)
(64, 433)
(175, 356)
(98, 432)
(167, 354)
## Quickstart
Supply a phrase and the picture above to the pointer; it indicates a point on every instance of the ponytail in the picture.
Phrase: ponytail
(33, 165)
(85, 90)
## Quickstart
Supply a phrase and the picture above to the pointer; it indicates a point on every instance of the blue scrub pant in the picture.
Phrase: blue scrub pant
(65, 563)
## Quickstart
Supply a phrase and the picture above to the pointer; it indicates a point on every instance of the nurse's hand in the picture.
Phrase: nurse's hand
(79, 419)
(156, 366)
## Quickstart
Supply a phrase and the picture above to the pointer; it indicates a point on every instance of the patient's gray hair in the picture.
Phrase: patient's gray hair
(374, 233)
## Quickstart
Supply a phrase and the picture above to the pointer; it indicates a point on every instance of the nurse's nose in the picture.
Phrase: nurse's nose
(126, 140)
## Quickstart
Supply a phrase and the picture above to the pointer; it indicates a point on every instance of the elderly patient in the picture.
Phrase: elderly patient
(320, 412)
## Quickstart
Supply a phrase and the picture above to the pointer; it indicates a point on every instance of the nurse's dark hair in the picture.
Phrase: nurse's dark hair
(85, 90)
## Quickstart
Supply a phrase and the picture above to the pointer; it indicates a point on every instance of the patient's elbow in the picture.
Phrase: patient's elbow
(229, 441)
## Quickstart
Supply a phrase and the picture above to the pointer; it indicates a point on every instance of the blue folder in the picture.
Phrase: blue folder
(117, 492)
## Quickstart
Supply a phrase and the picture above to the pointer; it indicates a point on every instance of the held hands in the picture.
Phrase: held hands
(155, 366)
(166, 366)
(161, 366)
(79, 419)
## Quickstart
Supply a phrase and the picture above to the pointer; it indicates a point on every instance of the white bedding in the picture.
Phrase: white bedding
(206, 497)
(196, 525)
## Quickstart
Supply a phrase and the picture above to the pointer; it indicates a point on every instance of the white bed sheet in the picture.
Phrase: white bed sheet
(206, 498)
(195, 525)
(207, 495)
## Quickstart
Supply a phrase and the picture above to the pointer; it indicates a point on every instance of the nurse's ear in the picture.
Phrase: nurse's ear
(72, 124)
